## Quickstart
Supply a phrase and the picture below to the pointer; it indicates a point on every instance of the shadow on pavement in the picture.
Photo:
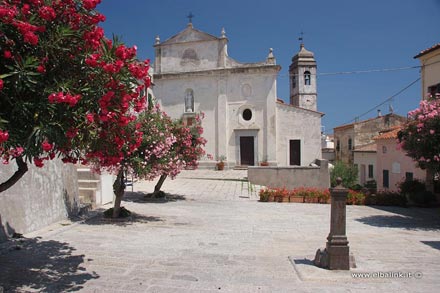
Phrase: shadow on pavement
(433, 244)
(30, 264)
(134, 218)
(140, 197)
(405, 218)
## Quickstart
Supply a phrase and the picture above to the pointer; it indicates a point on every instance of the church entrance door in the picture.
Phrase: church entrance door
(247, 150)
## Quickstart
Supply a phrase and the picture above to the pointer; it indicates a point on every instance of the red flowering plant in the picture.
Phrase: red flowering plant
(185, 152)
(420, 137)
(163, 149)
(64, 89)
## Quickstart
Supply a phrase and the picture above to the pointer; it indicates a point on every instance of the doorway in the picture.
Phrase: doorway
(247, 151)
(295, 152)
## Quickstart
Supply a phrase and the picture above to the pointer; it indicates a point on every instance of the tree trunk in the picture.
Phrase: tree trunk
(429, 179)
(118, 189)
(159, 185)
(22, 169)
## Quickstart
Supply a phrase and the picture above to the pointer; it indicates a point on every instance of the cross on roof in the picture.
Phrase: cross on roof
(301, 38)
(190, 17)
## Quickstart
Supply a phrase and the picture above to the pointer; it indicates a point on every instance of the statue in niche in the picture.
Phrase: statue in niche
(189, 101)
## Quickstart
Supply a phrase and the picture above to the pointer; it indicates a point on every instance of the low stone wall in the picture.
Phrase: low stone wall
(41, 197)
(291, 177)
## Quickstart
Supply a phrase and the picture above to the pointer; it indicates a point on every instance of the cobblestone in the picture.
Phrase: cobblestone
(212, 235)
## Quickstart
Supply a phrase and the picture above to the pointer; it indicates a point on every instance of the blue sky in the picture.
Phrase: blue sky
(345, 35)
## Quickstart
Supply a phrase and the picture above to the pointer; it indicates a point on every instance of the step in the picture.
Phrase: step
(241, 167)
(87, 175)
(88, 183)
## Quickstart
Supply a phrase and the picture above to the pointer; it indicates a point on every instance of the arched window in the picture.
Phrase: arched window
(189, 101)
(293, 80)
(350, 144)
(307, 78)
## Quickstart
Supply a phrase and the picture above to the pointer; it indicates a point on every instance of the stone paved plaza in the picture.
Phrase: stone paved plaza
(212, 235)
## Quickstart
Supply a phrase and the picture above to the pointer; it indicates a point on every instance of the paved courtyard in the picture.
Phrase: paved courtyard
(212, 235)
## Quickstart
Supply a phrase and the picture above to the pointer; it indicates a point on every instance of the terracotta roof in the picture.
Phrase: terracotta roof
(389, 134)
(371, 147)
(426, 51)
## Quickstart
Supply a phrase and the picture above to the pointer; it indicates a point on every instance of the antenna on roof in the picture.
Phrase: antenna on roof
(391, 108)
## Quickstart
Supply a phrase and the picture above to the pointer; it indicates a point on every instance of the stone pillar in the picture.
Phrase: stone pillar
(336, 255)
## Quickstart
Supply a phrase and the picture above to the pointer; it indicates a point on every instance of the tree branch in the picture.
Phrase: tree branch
(22, 169)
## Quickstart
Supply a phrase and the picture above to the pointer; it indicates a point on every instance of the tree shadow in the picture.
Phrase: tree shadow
(134, 218)
(30, 264)
(141, 197)
(405, 218)
(433, 244)
(4, 233)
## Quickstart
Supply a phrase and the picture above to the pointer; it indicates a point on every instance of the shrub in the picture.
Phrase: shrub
(264, 194)
(371, 184)
(355, 198)
(422, 197)
(348, 174)
(416, 191)
(386, 198)
(412, 186)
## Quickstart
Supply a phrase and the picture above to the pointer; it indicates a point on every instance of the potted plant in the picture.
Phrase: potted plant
(221, 164)
(264, 162)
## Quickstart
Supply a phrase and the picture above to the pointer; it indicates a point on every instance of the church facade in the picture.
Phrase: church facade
(244, 122)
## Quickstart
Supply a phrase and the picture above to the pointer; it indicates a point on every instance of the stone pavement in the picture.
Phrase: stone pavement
(212, 235)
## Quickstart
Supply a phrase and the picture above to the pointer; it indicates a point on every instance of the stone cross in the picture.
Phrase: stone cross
(190, 17)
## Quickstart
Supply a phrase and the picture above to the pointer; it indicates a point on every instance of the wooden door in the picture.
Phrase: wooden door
(247, 150)
(295, 152)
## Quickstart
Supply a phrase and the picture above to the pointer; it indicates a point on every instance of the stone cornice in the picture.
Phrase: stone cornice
(249, 69)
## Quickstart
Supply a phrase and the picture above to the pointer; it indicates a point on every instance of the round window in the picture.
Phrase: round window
(247, 114)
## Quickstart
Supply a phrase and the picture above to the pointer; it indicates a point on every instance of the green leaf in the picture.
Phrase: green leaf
(8, 74)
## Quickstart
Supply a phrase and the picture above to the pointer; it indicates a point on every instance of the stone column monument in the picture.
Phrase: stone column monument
(336, 255)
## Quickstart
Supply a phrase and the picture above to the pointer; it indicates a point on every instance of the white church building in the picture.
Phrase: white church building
(244, 119)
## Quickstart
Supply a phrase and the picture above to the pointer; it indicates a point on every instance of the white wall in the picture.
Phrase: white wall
(41, 197)
(295, 123)
(365, 159)
(223, 97)
(430, 70)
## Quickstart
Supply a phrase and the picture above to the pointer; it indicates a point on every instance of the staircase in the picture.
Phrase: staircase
(88, 186)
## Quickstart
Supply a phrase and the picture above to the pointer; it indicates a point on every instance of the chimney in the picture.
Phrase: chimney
(379, 113)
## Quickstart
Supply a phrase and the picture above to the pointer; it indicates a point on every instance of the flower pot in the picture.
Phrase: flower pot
(263, 164)
(220, 166)
(295, 198)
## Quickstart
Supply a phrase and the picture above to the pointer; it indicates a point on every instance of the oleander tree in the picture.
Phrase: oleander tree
(185, 153)
(154, 142)
(65, 90)
(164, 149)
(420, 137)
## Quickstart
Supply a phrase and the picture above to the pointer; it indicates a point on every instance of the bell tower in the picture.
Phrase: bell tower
(302, 80)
